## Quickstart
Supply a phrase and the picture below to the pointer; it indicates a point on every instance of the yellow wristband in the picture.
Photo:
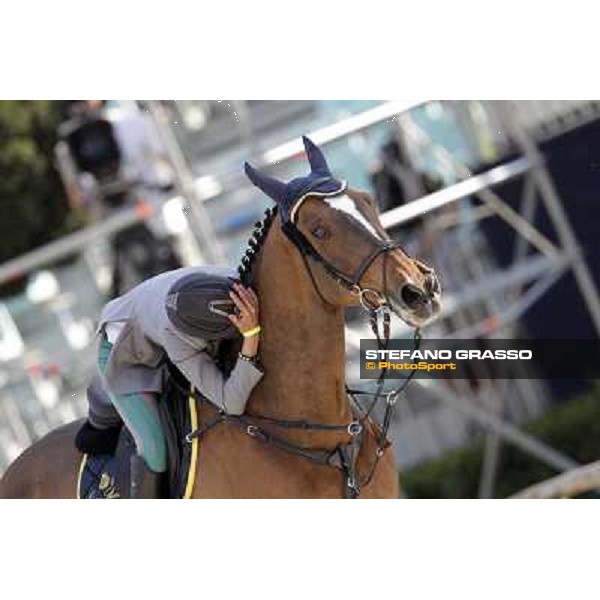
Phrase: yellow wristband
(251, 332)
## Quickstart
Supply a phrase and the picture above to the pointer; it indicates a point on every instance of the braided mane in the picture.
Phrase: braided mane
(261, 228)
(228, 348)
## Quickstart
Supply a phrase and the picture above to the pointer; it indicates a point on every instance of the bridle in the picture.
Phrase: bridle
(344, 456)
(348, 282)
(352, 284)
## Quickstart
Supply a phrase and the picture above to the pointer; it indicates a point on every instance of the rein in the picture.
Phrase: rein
(344, 457)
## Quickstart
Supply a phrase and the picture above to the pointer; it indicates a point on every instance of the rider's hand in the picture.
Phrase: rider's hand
(247, 304)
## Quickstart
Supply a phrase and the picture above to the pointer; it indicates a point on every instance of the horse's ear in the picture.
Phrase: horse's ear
(271, 187)
(317, 161)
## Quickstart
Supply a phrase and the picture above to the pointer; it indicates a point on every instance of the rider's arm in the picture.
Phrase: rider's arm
(230, 393)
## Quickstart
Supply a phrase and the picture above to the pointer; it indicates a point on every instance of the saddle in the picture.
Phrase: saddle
(105, 466)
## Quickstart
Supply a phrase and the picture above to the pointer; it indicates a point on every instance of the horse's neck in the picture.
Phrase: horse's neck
(302, 344)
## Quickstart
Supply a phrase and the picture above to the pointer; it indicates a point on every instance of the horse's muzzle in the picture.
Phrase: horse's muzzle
(418, 305)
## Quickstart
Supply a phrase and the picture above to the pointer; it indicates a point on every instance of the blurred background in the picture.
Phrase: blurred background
(501, 197)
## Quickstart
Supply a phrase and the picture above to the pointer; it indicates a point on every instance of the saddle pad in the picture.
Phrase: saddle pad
(98, 473)
(96, 479)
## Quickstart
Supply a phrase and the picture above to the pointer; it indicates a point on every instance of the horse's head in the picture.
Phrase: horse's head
(340, 229)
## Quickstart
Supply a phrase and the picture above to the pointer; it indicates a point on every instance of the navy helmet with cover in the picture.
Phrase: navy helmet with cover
(198, 305)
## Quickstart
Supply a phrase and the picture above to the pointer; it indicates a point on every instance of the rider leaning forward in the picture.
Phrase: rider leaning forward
(142, 327)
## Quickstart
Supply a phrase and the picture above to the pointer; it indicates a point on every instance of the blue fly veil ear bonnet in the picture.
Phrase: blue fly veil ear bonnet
(289, 196)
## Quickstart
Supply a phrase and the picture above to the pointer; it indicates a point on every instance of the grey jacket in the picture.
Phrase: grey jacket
(136, 361)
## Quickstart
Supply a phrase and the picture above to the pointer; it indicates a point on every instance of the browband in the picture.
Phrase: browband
(308, 191)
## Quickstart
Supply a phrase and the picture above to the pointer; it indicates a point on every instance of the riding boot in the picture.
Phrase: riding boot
(145, 483)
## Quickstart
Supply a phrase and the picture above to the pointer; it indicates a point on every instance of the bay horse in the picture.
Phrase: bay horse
(321, 250)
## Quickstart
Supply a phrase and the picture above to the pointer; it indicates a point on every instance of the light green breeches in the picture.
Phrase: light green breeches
(140, 414)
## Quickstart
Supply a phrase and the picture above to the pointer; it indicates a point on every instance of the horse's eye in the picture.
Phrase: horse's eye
(320, 232)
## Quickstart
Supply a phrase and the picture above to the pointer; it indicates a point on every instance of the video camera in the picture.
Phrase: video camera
(93, 149)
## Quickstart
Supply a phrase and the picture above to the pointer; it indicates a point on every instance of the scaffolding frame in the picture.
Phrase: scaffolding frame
(541, 269)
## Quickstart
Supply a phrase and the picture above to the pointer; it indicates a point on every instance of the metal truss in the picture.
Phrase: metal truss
(485, 301)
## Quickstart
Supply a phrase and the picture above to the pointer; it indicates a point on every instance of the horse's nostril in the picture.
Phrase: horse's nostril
(412, 295)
